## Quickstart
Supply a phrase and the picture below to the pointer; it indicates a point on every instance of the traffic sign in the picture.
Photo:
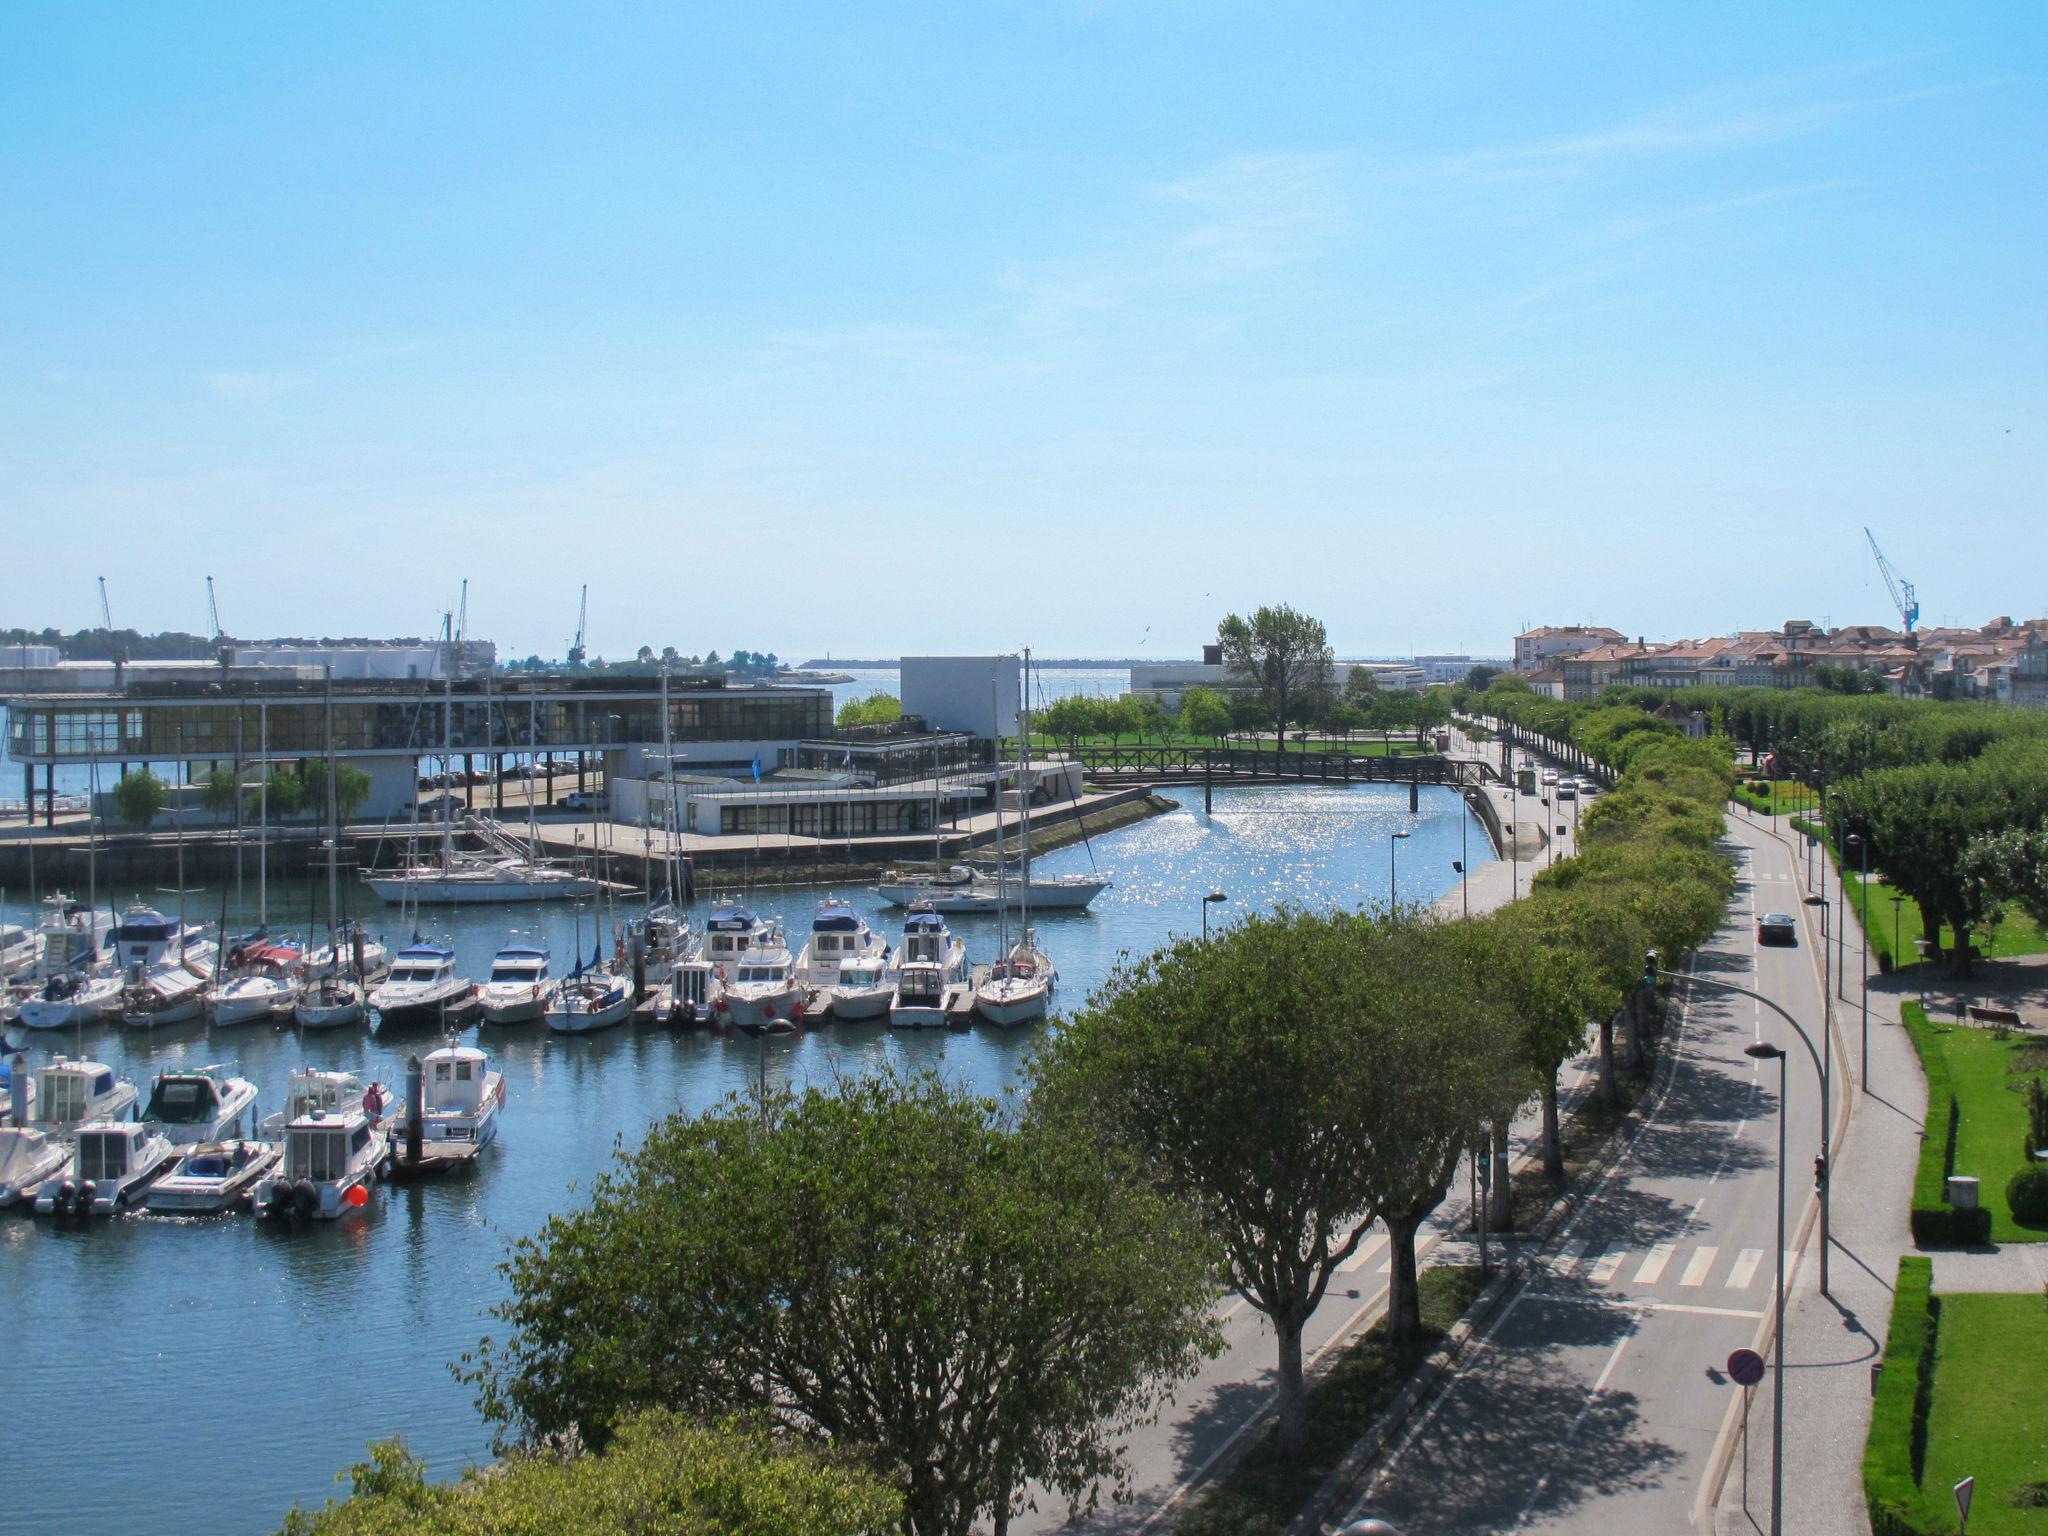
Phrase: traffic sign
(1746, 1366)
(1964, 1491)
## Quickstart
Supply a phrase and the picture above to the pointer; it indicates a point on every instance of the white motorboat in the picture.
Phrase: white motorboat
(201, 1104)
(690, 995)
(517, 991)
(214, 1176)
(460, 1095)
(589, 1001)
(68, 999)
(665, 940)
(266, 984)
(422, 988)
(330, 1002)
(28, 1158)
(19, 947)
(762, 993)
(353, 953)
(71, 937)
(1018, 987)
(728, 934)
(335, 1140)
(863, 989)
(113, 1163)
(931, 972)
(838, 934)
(146, 939)
(67, 1094)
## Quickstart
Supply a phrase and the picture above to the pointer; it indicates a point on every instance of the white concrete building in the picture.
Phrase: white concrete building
(975, 694)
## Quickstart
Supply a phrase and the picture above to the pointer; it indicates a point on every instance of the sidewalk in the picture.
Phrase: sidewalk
(1831, 1344)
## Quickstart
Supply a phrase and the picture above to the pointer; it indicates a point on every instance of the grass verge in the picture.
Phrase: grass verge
(1976, 1124)
(1267, 1490)
(1989, 1418)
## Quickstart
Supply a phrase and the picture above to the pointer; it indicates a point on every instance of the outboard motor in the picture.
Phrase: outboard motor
(280, 1201)
(88, 1196)
(66, 1193)
(306, 1195)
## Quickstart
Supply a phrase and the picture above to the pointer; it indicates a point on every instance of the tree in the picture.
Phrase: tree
(2013, 863)
(888, 1265)
(661, 1473)
(1432, 710)
(877, 708)
(1069, 719)
(1204, 712)
(220, 791)
(1360, 684)
(1480, 678)
(1148, 716)
(351, 789)
(139, 797)
(1283, 653)
(287, 794)
(1263, 1075)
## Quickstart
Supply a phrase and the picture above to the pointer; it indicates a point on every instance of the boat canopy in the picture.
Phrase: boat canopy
(731, 920)
(836, 918)
(187, 1099)
(923, 922)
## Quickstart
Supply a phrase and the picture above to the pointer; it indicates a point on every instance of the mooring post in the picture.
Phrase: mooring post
(1208, 783)
(415, 1108)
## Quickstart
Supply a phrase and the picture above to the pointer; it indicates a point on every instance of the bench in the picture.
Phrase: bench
(1984, 1013)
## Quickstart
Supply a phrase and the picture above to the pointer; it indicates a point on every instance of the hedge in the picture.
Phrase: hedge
(1934, 1222)
(1895, 1455)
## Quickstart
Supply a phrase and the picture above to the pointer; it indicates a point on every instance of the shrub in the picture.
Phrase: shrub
(2026, 1195)
(1895, 1453)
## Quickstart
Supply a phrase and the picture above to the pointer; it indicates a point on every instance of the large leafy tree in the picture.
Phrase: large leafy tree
(889, 1265)
(1204, 712)
(139, 797)
(661, 1473)
(220, 791)
(1285, 655)
(1284, 1079)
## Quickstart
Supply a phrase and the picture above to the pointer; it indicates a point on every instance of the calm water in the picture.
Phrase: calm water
(250, 1363)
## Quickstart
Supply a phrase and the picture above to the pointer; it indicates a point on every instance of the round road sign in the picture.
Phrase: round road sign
(1746, 1366)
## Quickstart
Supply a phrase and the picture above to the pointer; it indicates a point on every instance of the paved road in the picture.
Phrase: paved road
(1594, 1399)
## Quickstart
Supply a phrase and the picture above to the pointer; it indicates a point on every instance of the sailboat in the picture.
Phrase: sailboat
(1018, 986)
(331, 998)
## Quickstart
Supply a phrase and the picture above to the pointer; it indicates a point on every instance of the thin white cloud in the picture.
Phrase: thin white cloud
(249, 388)
(1253, 212)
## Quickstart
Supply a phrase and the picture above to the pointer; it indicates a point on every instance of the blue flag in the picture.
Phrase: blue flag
(757, 767)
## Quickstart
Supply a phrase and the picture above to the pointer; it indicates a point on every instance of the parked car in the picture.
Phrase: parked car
(1777, 928)
(1567, 790)
(443, 805)
(1549, 778)
(581, 800)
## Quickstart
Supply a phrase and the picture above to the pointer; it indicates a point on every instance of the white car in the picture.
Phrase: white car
(1549, 778)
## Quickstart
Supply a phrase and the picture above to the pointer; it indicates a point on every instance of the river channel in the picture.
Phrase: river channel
(197, 1376)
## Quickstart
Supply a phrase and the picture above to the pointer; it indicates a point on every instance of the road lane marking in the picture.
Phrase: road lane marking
(1609, 1262)
(1700, 1265)
(1586, 1407)
(1745, 1268)
(1365, 1251)
(1652, 1269)
(1567, 1260)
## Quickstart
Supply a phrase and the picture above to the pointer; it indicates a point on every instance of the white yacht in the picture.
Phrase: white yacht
(690, 996)
(113, 1163)
(330, 1002)
(69, 1093)
(762, 993)
(71, 937)
(589, 1001)
(19, 947)
(202, 1104)
(470, 879)
(214, 1176)
(334, 1139)
(863, 988)
(353, 953)
(838, 934)
(68, 999)
(728, 934)
(265, 984)
(517, 991)
(962, 889)
(931, 972)
(28, 1158)
(461, 1095)
(1018, 987)
(422, 987)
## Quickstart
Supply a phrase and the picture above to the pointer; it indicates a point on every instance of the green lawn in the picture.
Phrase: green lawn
(1990, 1414)
(1988, 1075)
(1787, 797)
(2017, 934)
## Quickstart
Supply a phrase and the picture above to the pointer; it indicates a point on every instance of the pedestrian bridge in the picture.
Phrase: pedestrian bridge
(1250, 765)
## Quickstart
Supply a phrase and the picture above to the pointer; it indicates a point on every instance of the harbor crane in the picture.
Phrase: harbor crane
(107, 623)
(221, 651)
(576, 649)
(1903, 597)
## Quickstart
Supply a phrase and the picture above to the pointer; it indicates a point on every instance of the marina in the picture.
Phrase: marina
(400, 1283)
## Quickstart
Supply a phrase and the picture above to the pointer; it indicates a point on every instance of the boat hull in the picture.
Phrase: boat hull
(88, 1006)
(508, 1009)
(329, 1015)
(405, 1012)
(398, 890)
(764, 1012)
(1010, 1009)
(860, 1005)
(250, 1007)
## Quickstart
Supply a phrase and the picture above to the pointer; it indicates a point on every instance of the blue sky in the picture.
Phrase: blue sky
(890, 329)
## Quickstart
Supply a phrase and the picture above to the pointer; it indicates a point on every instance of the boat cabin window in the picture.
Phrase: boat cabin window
(360, 1140)
(517, 970)
(210, 1166)
(857, 978)
(63, 1097)
(319, 1154)
(180, 1103)
(102, 1157)
(919, 984)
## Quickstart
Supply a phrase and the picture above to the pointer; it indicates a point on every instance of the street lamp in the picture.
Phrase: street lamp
(1209, 901)
(1764, 1052)
(1393, 891)
(1856, 842)
(1898, 900)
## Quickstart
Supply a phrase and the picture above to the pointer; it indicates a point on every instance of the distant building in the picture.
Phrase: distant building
(1535, 647)
(395, 661)
(975, 694)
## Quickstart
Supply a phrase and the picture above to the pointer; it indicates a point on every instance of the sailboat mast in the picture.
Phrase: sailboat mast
(995, 710)
(1024, 794)
(333, 827)
(668, 773)
(448, 738)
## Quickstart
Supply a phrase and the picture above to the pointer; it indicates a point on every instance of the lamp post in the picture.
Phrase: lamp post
(1393, 891)
(1209, 901)
(1465, 856)
(1549, 838)
(1857, 842)
(1652, 972)
(1764, 1052)
(1898, 901)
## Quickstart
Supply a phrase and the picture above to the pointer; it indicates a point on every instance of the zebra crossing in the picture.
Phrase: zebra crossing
(1703, 1267)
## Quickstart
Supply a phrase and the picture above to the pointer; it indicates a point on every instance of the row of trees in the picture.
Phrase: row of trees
(1208, 712)
(877, 708)
(140, 796)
